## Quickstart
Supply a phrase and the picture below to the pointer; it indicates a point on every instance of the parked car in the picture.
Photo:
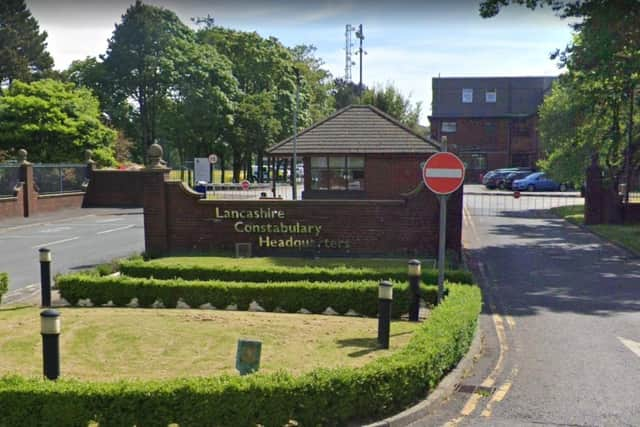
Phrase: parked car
(538, 181)
(508, 180)
(493, 179)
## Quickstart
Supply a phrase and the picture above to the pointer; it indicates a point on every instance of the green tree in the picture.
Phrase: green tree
(391, 101)
(142, 63)
(345, 93)
(263, 68)
(55, 122)
(316, 81)
(23, 54)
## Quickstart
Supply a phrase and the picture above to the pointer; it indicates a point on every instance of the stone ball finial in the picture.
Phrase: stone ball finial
(154, 155)
(22, 156)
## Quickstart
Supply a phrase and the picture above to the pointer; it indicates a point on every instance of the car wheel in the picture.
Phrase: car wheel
(563, 187)
(530, 187)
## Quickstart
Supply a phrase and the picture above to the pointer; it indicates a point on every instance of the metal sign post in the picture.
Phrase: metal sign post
(443, 174)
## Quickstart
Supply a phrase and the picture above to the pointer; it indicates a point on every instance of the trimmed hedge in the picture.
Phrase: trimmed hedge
(4, 284)
(322, 397)
(288, 296)
(282, 273)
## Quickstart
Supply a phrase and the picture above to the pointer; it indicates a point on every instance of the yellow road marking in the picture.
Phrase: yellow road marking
(499, 394)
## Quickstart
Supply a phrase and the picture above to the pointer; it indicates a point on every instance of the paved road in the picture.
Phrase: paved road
(561, 328)
(78, 239)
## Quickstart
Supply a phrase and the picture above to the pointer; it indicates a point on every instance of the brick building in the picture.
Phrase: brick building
(359, 152)
(491, 122)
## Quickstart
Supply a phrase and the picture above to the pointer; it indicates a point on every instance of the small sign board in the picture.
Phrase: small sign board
(213, 159)
(245, 184)
(201, 169)
(443, 173)
(248, 356)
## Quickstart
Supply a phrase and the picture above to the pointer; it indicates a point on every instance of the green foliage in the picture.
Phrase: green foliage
(322, 397)
(288, 296)
(4, 284)
(55, 122)
(390, 100)
(248, 273)
(23, 54)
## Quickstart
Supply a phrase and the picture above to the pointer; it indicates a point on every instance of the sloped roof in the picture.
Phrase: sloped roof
(356, 129)
(514, 96)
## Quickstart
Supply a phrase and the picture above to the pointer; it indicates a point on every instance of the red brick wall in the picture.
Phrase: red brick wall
(500, 145)
(116, 188)
(12, 206)
(177, 220)
(54, 202)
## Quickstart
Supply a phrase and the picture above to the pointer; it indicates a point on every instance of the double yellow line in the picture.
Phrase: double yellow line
(499, 324)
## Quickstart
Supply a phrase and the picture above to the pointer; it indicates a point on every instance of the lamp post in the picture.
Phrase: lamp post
(385, 296)
(294, 166)
(45, 277)
(414, 272)
(50, 331)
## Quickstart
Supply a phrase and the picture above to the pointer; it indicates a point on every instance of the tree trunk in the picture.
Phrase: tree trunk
(222, 168)
(260, 164)
(237, 166)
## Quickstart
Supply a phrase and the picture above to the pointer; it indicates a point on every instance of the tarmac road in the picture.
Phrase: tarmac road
(78, 239)
(561, 328)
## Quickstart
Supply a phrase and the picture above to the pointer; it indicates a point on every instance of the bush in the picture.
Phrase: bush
(246, 273)
(321, 397)
(4, 284)
(288, 296)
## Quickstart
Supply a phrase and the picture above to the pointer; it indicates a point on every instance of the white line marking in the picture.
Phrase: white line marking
(54, 243)
(103, 221)
(631, 345)
(443, 173)
(116, 229)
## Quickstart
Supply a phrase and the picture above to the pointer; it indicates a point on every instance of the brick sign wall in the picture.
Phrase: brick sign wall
(177, 220)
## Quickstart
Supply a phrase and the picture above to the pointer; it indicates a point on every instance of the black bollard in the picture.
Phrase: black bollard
(45, 277)
(50, 330)
(385, 296)
(414, 272)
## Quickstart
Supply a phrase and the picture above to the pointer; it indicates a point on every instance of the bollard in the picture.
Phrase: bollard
(45, 277)
(50, 331)
(385, 296)
(414, 272)
(248, 356)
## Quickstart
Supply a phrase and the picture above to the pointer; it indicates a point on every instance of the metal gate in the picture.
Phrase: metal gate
(480, 202)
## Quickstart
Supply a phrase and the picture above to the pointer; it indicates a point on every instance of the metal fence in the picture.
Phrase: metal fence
(236, 192)
(527, 205)
(9, 178)
(59, 178)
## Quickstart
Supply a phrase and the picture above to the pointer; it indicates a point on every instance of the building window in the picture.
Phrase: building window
(520, 160)
(476, 161)
(338, 173)
(490, 96)
(449, 127)
(467, 96)
(490, 128)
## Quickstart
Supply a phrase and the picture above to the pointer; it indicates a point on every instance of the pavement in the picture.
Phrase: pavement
(78, 239)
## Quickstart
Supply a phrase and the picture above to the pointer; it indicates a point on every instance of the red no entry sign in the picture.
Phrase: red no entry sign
(443, 173)
(245, 185)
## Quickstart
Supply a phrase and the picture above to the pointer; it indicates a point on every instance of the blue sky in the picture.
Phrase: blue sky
(408, 42)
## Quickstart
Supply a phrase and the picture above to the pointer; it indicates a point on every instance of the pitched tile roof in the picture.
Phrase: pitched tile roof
(356, 129)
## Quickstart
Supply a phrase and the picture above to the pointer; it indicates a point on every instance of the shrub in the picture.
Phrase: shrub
(288, 296)
(4, 284)
(321, 397)
(281, 273)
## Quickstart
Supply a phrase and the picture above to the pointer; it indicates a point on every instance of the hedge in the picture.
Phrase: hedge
(322, 397)
(288, 296)
(281, 273)
(4, 284)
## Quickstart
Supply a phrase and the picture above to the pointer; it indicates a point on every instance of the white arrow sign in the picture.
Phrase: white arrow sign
(631, 345)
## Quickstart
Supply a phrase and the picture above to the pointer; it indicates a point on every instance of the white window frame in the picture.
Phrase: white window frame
(491, 96)
(448, 127)
(467, 95)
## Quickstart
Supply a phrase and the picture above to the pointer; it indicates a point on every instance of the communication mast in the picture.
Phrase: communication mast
(360, 36)
(348, 44)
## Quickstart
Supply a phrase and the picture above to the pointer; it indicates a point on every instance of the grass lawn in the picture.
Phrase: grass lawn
(239, 263)
(625, 235)
(110, 344)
